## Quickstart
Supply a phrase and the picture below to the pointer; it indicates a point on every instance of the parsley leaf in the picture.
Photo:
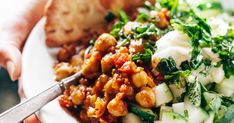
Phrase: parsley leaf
(145, 57)
(145, 31)
(170, 4)
(123, 17)
(116, 29)
(109, 17)
(167, 66)
(210, 5)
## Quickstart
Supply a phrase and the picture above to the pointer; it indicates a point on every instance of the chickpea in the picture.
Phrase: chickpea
(127, 90)
(76, 60)
(106, 64)
(63, 70)
(117, 107)
(104, 42)
(78, 95)
(100, 107)
(91, 66)
(136, 46)
(146, 97)
(112, 85)
(140, 79)
(162, 17)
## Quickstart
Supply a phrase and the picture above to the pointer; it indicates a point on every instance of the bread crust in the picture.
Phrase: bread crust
(68, 21)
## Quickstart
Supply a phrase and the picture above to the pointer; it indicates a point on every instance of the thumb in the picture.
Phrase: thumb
(10, 59)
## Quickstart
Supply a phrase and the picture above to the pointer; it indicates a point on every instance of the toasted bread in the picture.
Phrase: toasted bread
(70, 20)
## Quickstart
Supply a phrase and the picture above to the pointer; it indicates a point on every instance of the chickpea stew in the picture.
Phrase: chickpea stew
(169, 62)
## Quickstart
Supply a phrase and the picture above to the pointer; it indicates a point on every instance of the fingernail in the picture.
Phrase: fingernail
(11, 69)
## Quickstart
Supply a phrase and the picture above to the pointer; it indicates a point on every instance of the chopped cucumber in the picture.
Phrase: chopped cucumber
(211, 118)
(178, 108)
(226, 87)
(131, 118)
(164, 109)
(172, 117)
(145, 114)
(209, 96)
(195, 114)
(176, 91)
(163, 94)
(228, 117)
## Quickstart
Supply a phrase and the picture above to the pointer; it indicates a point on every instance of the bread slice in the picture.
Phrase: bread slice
(70, 20)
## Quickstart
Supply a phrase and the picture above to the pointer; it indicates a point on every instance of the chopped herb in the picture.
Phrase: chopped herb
(194, 93)
(145, 57)
(116, 29)
(225, 48)
(167, 66)
(227, 101)
(109, 17)
(142, 17)
(92, 42)
(145, 31)
(177, 76)
(149, 6)
(210, 5)
(228, 116)
(123, 17)
(122, 43)
(169, 4)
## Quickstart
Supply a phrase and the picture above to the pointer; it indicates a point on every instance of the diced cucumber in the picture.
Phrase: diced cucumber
(145, 114)
(163, 94)
(164, 109)
(211, 118)
(209, 96)
(226, 87)
(172, 117)
(131, 118)
(178, 108)
(195, 114)
(176, 91)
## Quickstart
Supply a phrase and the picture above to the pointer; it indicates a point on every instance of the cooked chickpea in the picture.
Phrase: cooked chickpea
(162, 18)
(104, 42)
(140, 79)
(78, 95)
(106, 64)
(136, 46)
(91, 66)
(100, 107)
(127, 90)
(117, 107)
(76, 60)
(63, 70)
(146, 97)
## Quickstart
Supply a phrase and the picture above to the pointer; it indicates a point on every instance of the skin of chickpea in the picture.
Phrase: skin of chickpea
(117, 107)
(146, 97)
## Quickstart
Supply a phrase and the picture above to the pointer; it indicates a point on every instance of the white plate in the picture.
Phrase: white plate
(37, 74)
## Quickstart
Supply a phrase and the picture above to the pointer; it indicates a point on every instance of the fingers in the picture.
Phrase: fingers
(32, 119)
(11, 60)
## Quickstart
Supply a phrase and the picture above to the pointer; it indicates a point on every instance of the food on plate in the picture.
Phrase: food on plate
(172, 62)
(69, 21)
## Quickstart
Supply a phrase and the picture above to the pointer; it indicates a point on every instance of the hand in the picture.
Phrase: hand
(14, 31)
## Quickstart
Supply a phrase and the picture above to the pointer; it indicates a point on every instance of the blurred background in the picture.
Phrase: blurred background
(8, 91)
